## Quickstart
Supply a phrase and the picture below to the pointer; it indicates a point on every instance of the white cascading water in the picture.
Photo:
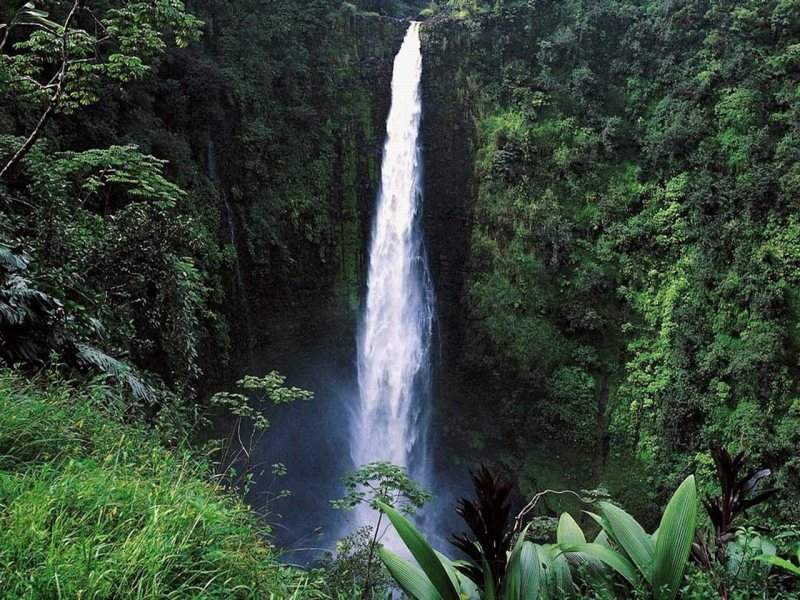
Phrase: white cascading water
(395, 336)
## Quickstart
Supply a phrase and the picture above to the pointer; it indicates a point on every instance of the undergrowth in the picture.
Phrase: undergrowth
(93, 506)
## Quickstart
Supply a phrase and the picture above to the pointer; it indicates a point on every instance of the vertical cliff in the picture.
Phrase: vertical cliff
(449, 144)
(301, 163)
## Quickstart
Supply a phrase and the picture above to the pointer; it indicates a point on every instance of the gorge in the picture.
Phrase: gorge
(555, 237)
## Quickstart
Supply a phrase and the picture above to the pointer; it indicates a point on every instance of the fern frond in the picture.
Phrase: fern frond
(89, 356)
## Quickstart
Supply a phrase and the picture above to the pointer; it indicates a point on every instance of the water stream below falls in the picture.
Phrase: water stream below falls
(390, 421)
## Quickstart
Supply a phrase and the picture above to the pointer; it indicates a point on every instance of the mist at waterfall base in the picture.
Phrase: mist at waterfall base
(313, 440)
(372, 398)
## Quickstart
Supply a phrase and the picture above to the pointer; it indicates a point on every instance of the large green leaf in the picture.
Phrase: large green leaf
(602, 539)
(557, 575)
(569, 532)
(781, 562)
(489, 585)
(613, 559)
(530, 572)
(410, 578)
(461, 584)
(422, 552)
(467, 589)
(630, 536)
(674, 543)
(512, 582)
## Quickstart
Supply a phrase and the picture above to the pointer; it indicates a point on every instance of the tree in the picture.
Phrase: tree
(379, 484)
(57, 64)
(237, 451)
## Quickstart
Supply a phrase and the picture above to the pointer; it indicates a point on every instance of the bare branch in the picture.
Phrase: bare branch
(530, 506)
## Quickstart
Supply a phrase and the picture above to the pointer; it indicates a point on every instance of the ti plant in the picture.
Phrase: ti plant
(487, 517)
(737, 494)
(718, 551)
(655, 562)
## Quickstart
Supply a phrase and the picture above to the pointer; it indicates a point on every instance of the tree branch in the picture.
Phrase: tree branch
(518, 520)
(3, 41)
(54, 99)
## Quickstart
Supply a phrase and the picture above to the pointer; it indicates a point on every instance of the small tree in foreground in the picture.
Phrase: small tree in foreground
(375, 485)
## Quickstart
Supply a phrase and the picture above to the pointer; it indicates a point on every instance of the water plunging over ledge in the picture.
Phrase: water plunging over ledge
(390, 421)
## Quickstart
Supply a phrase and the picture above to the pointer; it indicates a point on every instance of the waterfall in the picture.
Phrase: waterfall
(211, 166)
(230, 220)
(395, 335)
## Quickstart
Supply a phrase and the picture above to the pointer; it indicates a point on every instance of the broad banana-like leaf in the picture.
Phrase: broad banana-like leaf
(465, 587)
(781, 562)
(422, 552)
(597, 518)
(557, 576)
(602, 539)
(512, 582)
(531, 572)
(410, 578)
(607, 556)
(569, 532)
(630, 536)
(675, 535)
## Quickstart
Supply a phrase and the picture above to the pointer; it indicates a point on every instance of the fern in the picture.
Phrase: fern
(31, 329)
(89, 356)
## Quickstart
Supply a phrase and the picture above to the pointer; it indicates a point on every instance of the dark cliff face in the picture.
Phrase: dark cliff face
(465, 83)
(448, 137)
(298, 142)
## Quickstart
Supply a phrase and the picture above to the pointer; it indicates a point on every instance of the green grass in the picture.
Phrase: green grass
(92, 506)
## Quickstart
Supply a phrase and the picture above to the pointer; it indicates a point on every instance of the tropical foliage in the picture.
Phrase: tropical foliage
(617, 275)
(92, 505)
(632, 275)
(642, 561)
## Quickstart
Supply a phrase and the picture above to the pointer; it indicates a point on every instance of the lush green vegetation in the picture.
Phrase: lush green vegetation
(621, 561)
(125, 230)
(631, 289)
(93, 506)
(633, 267)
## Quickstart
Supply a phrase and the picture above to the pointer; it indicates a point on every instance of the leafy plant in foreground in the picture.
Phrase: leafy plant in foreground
(487, 517)
(379, 485)
(235, 462)
(783, 563)
(659, 559)
(346, 570)
(656, 562)
(736, 494)
(722, 550)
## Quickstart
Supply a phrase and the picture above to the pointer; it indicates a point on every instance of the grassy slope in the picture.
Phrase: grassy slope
(93, 507)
